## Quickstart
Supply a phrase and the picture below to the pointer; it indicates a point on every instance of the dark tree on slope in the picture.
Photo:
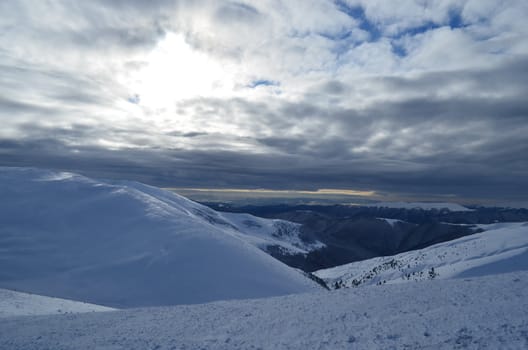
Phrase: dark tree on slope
(432, 273)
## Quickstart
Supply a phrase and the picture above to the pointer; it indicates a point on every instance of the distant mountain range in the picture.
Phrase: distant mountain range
(501, 248)
(355, 233)
(420, 205)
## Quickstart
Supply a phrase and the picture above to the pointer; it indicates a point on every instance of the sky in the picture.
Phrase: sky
(414, 99)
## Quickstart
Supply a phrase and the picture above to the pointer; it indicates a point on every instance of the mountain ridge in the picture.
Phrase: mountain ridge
(125, 244)
(500, 248)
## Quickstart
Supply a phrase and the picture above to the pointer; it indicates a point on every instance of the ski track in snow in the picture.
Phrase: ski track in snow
(480, 313)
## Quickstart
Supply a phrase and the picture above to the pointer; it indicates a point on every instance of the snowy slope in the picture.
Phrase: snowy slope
(23, 304)
(501, 248)
(393, 222)
(481, 313)
(125, 244)
(420, 205)
(270, 232)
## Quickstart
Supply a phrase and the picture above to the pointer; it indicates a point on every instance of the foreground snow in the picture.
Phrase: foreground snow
(125, 244)
(501, 248)
(23, 304)
(479, 313)
(420, 205)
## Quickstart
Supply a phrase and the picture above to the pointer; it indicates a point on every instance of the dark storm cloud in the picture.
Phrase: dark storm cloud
(227, 169)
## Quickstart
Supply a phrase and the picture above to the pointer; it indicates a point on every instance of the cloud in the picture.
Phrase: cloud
(237, 12)
(415, 98)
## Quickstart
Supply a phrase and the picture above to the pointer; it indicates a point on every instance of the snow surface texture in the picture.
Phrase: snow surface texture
(501, 248)
(23, 304)
(419, 205)
(125, 244)
(479, 313)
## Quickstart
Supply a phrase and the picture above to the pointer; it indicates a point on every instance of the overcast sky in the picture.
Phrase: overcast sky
(411, 98)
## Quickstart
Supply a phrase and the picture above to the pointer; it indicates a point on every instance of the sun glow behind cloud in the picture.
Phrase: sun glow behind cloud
(248, 196)
(319, 192)
(174, 71)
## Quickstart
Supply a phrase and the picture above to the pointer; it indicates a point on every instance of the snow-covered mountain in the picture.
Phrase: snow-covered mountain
(266, 233)
(23, 304)
(501, 248)
(420, 205)
(126, 244)
(478, 313)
